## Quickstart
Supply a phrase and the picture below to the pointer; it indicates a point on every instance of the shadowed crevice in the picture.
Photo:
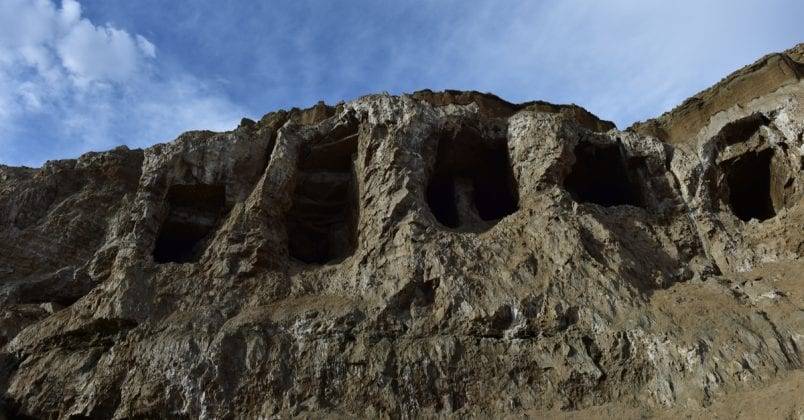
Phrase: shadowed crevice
(322, 222)
(749, 180)
(194, 210)
(472, 185)
(602, 176)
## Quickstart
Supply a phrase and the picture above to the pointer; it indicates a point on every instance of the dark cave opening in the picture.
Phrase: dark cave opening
(322, 221)
(472, 181)
(495, 189)
(741, 130)
(441, 198)
(194, 210)
(600, 175)
(749, 180)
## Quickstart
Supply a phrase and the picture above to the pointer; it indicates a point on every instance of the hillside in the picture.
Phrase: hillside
(432, 254)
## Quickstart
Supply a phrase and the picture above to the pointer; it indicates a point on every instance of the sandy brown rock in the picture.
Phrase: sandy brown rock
(434, 254)
(772, 79)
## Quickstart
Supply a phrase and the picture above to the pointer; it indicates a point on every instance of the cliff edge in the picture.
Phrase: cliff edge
(432, 254)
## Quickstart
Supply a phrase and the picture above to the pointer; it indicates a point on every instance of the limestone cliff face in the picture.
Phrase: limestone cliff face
(426, 254)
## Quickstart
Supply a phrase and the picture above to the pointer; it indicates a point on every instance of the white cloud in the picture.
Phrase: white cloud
(70, 11)
(93, 53)
(26, 22)
(621, 59)
(147, 48)
(89, 86)
(38, 34)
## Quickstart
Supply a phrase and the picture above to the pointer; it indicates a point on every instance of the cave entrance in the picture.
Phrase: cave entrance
(600, 175)
(194, 210)
(472, 183)
(749, 180)
(322, 221)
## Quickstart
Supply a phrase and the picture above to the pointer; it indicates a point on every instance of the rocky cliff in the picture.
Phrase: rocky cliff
(440, 253)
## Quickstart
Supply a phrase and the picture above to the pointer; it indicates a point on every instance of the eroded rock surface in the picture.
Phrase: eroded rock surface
(438, 253)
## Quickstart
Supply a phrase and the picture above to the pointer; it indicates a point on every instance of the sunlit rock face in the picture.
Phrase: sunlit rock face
(439, 253)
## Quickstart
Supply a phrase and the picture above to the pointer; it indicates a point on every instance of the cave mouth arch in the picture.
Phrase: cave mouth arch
(193, 212)
(472, 185)
(322, 220)
(601, 175)
(748, 177)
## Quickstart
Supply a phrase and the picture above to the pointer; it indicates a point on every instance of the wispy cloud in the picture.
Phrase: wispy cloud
(68, 86)
(625, 60)
(71, 83)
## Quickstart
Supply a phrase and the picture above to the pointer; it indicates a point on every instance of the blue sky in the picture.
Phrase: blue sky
(81, 75)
